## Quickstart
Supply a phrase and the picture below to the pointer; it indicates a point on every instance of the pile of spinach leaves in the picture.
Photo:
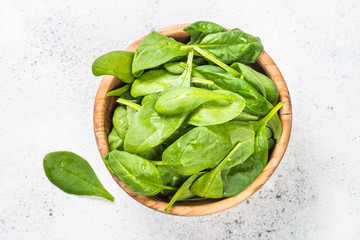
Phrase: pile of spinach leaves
(194, 120)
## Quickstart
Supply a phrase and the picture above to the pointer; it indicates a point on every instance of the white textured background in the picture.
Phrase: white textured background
(46, 100)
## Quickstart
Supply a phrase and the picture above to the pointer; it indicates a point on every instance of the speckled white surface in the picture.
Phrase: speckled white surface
(47, 94)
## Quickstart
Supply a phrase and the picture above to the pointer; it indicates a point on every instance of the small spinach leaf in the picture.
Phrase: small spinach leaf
(186, 185)
(138, 174)
(244, 133)
(152, 82)
(179, 100)
(115, 142)
(73, 174)
(210, 113)
(198, 149)
(154, 50)
(239, 177)
(255, 103)
(210, 185)
(201, 29)
(119, 91)
(116, 63)
(120, 121)
(232, 46)
(261, 82)
(149, 129)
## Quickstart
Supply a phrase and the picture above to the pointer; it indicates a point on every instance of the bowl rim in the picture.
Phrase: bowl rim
(212, 206)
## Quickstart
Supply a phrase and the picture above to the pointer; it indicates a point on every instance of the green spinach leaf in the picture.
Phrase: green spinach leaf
(185, 99)
(211, 114)
(149, 129)
(199, 30)
(186, 185)
(243, 133)
(239, 177)
(116, 63)
(154, 50)
(120, 121)
(115, 142)
(153, 81)
(73, 174)
(119, 91)
(259, 81)
(210, 185)
(198, 149)
(256, 104)
(138, 174)
(232, 46)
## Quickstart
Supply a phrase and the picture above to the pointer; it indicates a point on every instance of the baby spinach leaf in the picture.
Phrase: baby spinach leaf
(152, 82)
(138, 174)
(210, 185)
(201, 29)
(116, 63)
(115, 142)
(185, 99)
(160, 80)
(239, 177)
(243, 133)
(255, 103)
(259, 81)
(232, 46)
(211, 114)
(185, 77)
(149, 129)
(119, 91)
(198, 149)
(186, 185)
(154, 50)
(73, 174)
(120, 121)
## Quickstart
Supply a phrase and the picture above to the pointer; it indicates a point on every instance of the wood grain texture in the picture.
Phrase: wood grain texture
(104, 107)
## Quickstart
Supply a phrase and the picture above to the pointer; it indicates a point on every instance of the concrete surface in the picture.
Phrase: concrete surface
(46, 99)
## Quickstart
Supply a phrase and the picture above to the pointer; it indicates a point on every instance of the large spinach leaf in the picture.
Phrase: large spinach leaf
(73, 174)
(154, 50)
(116, 63)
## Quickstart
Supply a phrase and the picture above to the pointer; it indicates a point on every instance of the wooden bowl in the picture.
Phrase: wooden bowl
(104, 107)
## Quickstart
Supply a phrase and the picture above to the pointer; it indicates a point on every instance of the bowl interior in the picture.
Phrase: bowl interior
(105, 106)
